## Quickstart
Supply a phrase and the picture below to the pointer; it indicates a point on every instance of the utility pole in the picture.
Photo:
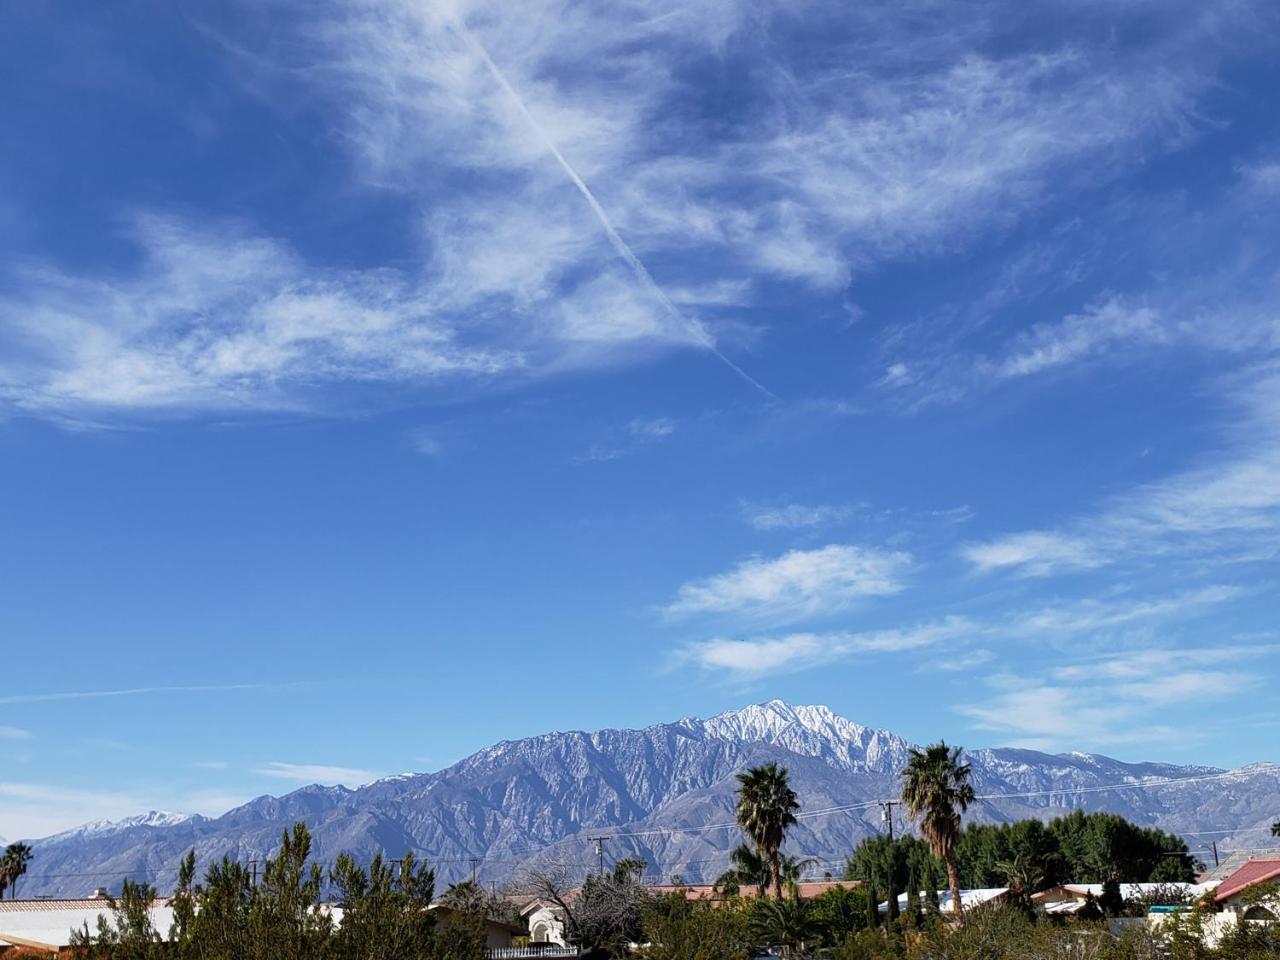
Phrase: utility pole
(1215, 855)
(886, 813)
(253, 868)
(475, 863)
(599, 842)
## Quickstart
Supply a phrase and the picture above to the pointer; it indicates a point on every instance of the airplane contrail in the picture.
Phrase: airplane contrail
(624, 251)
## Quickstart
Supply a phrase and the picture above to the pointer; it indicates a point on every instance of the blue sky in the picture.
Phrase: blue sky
(381, 380)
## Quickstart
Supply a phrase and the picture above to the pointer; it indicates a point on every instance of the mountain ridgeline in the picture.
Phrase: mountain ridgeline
(664, 794)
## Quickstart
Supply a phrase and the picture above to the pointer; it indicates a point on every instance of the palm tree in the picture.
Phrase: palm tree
(749, 869)
(766, 807)
(936, 791)
(1023, 875)
(13, 864)
(786, 923)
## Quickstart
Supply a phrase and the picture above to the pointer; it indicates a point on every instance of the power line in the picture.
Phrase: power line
(514, 852)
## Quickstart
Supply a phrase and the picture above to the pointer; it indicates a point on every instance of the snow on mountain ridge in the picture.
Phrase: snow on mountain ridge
(152, 818)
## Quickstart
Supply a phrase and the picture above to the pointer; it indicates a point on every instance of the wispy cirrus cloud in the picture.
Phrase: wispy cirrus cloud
(1224, 509)
(1035, 553)
(573, 208)
(126, 692)
(796, 584)
(637, 434)
(795, 516)
(30, 810)
(1119, 698)
(316, 773)
(14, 733)
(760, 656)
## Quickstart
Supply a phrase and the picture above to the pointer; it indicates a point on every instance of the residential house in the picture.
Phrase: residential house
(1070, 898)
(805, 890)
(46, 925)
(1251, 893)
(968, 899)
(546, 922)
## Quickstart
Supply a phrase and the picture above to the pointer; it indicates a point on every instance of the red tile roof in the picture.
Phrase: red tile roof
(1254, 871)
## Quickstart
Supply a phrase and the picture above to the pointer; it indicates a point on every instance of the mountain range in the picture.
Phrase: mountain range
(664, 793)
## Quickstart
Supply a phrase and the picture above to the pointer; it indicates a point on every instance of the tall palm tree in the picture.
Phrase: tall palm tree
(937, 791)
(13, 864)
(766, 807)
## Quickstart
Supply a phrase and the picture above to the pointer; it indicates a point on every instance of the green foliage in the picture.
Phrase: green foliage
(937, 791)
(385, 914)
(766, 807)
(1078, 848)
(13, 864)
(460, 936)
(629, 868)
(786, 923)
(751, 869)
(129, 935)
(678, 929)
(839, 912)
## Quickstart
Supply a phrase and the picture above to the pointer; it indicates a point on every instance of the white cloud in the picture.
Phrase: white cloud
(13, 733)
(543, 204)
(426, 443)
(654, 428)
(1035, 553)
(1126, 697)
(316, 773)
(1223, 510)
(31, 810)
(1092, 614)
(798, 583)
(126, 692)
(746, 659)
(634, 437)
(1078, 336)
(793, 516)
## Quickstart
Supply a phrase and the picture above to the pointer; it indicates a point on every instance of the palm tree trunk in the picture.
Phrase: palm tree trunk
(775, 874)
(953, 880)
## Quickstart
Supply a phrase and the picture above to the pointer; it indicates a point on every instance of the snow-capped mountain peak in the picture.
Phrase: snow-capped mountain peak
(543, 795)
(152, 818)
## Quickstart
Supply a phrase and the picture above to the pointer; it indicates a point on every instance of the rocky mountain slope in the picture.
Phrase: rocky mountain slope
(664, 793)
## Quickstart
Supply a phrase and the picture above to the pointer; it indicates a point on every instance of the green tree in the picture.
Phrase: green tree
(130, 934)
(838, 912)
(783, 922)
(750, 869)
(937, 791)
(13, 864)
(629, 868)
(675, 928)
(384, 916)
(465, 896)
(1275, 829)
(766, 807)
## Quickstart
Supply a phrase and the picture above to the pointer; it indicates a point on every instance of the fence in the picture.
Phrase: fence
(550, 950)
